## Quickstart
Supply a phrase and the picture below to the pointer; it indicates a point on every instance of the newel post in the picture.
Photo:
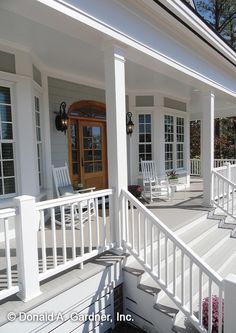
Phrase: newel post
(229, 303)
(26, 247)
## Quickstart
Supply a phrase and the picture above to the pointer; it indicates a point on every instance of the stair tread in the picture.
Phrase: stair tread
(184, 326)
(181, 321)
(170, 311)
(149, 289)
(225, 270)
(220, 256)
(133, 270)
(221, 262)
(202, 247)
(198, 230)
(210, 240)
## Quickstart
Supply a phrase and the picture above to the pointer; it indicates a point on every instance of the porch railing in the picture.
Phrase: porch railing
(52, 236)
(184, 277)
(224, 188)
(220, 162)
(8, 284)
(195, 165)
(66, 238)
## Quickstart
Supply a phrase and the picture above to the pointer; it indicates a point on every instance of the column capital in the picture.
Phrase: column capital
(114, 51)
(207, 94)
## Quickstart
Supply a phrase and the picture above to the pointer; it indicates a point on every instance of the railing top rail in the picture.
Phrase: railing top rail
(175, 239)
(223, 178)
(224, 159)
(7, 212)
(224, 167)
(70, 199)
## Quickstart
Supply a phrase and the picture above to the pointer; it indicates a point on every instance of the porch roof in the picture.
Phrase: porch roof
(53, 40)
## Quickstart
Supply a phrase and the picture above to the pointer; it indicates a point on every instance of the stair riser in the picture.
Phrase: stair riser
(141, 303)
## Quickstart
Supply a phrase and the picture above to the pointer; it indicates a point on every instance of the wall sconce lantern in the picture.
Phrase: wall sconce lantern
(129, 123)
(61, 120)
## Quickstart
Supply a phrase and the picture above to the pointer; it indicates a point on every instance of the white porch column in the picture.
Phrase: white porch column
(187, 149)
(116, 130)
(48, 183)
(26, 139)
(207, 136)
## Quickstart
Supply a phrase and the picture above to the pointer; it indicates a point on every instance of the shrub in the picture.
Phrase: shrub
(136, 190)
(215, 313)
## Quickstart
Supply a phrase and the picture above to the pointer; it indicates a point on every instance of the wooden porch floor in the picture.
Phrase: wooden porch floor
(184, 207)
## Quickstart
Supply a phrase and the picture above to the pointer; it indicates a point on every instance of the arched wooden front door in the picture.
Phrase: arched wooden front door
(87, 144)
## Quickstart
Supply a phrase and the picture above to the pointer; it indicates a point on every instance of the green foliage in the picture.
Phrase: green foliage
(172, 174)
(221, 15)
(195, 139)
(225, 138)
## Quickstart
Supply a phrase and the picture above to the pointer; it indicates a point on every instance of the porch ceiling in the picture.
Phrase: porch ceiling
(70, 50)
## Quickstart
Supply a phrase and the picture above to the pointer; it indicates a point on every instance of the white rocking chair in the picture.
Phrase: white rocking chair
(153, 186)
(63, 188)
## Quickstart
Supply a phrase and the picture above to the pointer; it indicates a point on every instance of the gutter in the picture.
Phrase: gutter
(188, 26)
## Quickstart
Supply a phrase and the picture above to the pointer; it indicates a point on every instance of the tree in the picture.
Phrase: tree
(195, 139)
(225, 138)
(221, 15)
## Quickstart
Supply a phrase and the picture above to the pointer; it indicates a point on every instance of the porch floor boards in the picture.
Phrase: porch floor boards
(185, 206)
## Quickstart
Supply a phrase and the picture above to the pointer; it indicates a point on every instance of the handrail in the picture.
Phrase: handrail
(223, 178)
(223, 167)
(163, 255)
(66, 200)
(173, 237)
(7, 212)
(224, 192)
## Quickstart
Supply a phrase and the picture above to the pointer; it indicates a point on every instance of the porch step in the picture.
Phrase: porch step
(212, 244)
(225, 222)
(181, 324)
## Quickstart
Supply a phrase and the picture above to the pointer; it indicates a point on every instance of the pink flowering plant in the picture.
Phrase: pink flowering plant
(215, 313)
(136, 190)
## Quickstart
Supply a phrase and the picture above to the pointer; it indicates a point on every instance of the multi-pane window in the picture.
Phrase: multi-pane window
(169, 142)
(179, 142)
(7, 168)
(38, 138)
(75, 156)
(145, 138)
(174, 142)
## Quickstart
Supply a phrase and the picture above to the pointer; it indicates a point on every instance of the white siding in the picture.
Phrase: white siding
(69, 92)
